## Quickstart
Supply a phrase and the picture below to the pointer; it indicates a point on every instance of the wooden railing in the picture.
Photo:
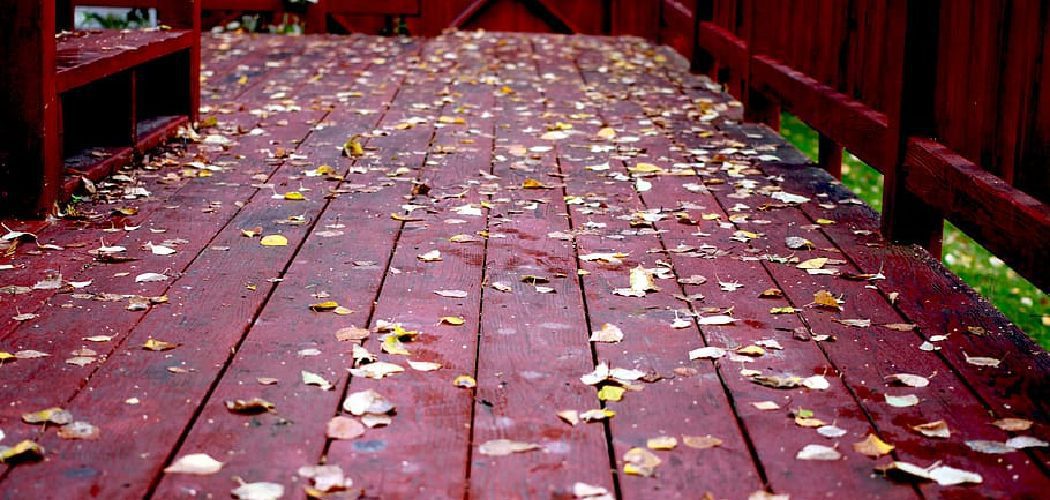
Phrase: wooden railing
(949, 100)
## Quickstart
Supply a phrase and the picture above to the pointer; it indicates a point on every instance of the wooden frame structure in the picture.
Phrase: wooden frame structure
(82, 103)
(945, 99)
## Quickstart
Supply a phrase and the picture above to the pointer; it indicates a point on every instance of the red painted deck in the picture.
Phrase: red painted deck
(518, 159)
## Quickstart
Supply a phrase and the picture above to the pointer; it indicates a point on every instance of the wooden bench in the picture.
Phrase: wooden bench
(80, 103)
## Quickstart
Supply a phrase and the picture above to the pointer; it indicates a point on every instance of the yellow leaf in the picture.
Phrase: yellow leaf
(531, 183)
(606, 133)
(872, 446)
(611, 393)
(506, 90)
(661, 443)
(253, 232)
(328, 305)
(294, 195)
(825, 222)
(782, 310)
(153, 344)
(452, 320)
(711, 216)
(23, 451)
(816, 263)
(352, 148)
(824, 298)
(751, 350)
(452, 120)
(274, 240)
(645, 168)
(809, 422)
(5, 356)
(393, 345)
(640, 462)
(243, 80)
(465, 381)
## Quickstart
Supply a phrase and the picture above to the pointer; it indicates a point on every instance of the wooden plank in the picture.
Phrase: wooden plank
(944, 399)
(429, 437)
(533, 346)
(690, 400)
(983, 205)
(33, 268)
(775, 436)
(137, 368)
(938, 301)
(294, 435)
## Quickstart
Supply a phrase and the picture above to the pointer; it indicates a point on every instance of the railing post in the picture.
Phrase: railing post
(758, 107)
(829, 156)
(905, 218)
(702, 61)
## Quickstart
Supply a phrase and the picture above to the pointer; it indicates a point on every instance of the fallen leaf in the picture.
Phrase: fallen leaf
(431, 256)
(751, 350)
(715, 320)
(818, 452)
(502, 447)
(200, 464)
(152, 344)
(908, 379)
(24, 451)
(252, 406)
(273, 240)
(766, 405)
(464, 381)
(571, 417)
(900, 327)
(701, 442)
(78, 430)
(597, 415)
(707, 353)
(452, 320)
(903, 401)
(55, 415)
(455, 294)
(872, 446)
(1020, 442)
(351, 334)
(424, 366)
(640, 462)
(661, 443)
(368, 402)
(328, 305)
(816, 263)
(343, 427)
(258, 491)
(150, 277)
(831, 431)
(982, 361)
(376, 370)
(824, 298)
(590, 491)
(937, 429)
(859, 323)
(607, 333)
(611, 393)
(310, 378)
(1013, 424)
(818, 382)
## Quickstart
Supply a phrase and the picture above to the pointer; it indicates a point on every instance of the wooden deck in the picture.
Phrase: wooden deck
(494, 193)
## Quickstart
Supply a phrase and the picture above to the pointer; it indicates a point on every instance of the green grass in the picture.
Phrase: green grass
(1018, 299)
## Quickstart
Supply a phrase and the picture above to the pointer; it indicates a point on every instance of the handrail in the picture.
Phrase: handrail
(946, 99)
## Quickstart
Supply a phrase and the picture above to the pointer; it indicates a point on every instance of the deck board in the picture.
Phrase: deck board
(465, 115)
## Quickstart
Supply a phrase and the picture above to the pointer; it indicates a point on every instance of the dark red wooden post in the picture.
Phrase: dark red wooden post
(905, 217)
(829, 156)
(758, 106)
(186, 14)
(29, 114)
(702, 61)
